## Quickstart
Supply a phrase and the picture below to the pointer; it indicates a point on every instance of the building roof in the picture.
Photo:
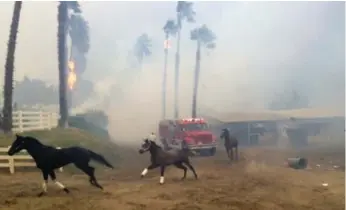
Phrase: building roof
(313, 112)
(269, 115)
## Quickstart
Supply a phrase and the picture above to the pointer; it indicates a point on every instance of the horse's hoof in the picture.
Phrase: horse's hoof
(41, 194)
(66, 190)
(182, 179)
(142, 176)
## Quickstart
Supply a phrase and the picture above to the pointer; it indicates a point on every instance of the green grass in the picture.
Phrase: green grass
(71, 137)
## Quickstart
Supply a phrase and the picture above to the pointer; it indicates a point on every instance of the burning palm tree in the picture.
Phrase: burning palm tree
(184, 12)
(170, 29)
(63, 21)
(79, 34)
(142, 48)
(204, 38)
(9, 68)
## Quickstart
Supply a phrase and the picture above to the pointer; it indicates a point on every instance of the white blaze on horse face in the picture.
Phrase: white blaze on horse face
(162, 180)
(144, 172)
(44, 186)
(61, 186)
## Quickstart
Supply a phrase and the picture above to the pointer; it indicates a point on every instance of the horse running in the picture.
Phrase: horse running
(162, 159)
(231, 143)
(48, 158)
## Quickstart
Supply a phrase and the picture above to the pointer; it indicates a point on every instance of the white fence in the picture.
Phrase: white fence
(15, 161)
(33, 120)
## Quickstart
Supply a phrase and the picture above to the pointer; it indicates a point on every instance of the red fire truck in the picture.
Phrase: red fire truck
(193, 132)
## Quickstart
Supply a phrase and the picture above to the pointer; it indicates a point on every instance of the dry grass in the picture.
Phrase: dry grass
(258, 181)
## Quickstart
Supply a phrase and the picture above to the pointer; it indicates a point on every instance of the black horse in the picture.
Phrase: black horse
(48, 158)
(161, 158)
(231, 142)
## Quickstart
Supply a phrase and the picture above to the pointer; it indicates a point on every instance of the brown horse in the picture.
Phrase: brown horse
(231, 142)
(161, 158)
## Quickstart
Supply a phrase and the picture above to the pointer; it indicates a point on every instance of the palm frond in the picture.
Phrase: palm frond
(79, 32)
(204, 35)
(142, 47)
(170, 27)
(73, 5)
(185, 9)
(194, 34)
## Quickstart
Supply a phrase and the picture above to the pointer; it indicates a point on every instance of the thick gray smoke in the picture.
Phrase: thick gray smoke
(263, 49)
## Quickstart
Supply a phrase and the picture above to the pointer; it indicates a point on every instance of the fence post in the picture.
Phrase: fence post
(41, 121)
(20, 121)
(11, 163)
(49, 116)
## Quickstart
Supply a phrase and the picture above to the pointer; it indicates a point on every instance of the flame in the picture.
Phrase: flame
(72, 77)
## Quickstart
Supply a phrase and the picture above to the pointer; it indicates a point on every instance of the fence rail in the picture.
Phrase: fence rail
(33, 120)
(21, 160)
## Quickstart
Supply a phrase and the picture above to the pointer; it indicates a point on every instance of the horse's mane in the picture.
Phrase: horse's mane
(32, 139)
(156, 145)
(36, 141)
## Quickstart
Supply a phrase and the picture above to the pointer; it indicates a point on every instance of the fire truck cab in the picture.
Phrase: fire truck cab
(193, 132)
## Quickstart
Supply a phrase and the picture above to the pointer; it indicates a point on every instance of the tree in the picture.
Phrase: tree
(63, 10)
(9, 68)
(142, 48)
(184, 12)
(169, 29)
(79, 34)
(204, 38)
(44, 94)
(47, 94)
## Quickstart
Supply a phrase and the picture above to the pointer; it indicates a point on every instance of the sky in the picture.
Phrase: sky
(262, 48)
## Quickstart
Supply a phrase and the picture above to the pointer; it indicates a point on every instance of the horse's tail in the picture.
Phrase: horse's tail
(99, 158)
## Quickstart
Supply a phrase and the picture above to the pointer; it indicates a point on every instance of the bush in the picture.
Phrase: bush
(95, 122)
(96, 117)
(81, 123)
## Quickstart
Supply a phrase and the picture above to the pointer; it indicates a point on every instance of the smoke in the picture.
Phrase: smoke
(262, 49)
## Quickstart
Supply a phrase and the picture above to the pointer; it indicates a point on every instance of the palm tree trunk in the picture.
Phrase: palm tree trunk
(9, 68)
(164, 80)
(62, 60)
(196, 80)
(176, 70)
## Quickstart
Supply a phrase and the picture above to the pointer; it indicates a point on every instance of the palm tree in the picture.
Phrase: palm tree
(79, 34)
(63, 10)
(184, 12)
(142, 48)
(204, 38)
(170, 29)
(9, 68)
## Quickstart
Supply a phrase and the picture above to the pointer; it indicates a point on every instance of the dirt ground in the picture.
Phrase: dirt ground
(260, 180)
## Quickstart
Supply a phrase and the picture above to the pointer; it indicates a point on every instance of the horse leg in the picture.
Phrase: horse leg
(162, 177)
(90, 171)
(44, 184)
(227, 151)
(145, 171)
(187, 162)
(232, 154)
(61, 186)
(181, 166)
